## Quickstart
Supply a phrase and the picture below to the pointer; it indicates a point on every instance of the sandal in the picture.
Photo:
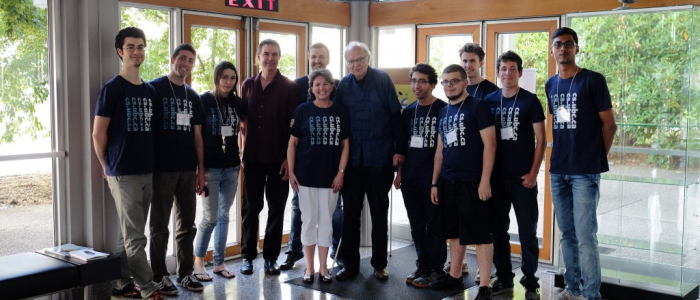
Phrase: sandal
(325, 279)
(308, 278)
(225, 274)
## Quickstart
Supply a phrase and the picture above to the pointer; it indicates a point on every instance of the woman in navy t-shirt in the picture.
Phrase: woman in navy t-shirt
(317, 156)
(223, 114)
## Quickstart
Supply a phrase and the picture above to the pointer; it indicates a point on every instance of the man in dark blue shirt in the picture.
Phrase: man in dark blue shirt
(179, 169)
(519, 119)
(375, 117)
(471, 56)
(464, 160)
(414, 175)
(319, 57)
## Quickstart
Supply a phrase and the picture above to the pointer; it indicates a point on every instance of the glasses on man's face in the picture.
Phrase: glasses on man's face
(450, 82)
(359, 60)
(567, 45)
(419, 81)
(131, 48)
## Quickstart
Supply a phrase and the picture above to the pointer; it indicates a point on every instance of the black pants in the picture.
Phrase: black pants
(424, 218)
(376, 183)
(259, 180)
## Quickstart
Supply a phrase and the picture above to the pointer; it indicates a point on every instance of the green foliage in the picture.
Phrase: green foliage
(24, 81)
(156, 26)
(646, 59)
(213, 45)
(529, 47)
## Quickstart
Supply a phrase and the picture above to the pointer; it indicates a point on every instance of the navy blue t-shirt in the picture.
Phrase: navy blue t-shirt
(463, 159)
(228, 111)
(481, 89)
(129, 134)
(514, 156)
(175, 150)
(578, 143)
(421, 121)
(306, 95)
(320, 132)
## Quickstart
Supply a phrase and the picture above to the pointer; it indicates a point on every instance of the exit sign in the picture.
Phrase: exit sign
(266, 5)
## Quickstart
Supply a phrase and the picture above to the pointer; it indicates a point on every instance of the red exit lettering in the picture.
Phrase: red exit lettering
(266, 5)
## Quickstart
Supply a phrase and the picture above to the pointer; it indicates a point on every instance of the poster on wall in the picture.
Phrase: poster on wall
(266, 5)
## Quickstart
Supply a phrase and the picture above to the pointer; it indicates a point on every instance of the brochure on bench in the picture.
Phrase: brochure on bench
(64, 250)
(87, 254)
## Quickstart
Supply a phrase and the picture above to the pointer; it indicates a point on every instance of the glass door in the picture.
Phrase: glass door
(216, 38)
(530, 40)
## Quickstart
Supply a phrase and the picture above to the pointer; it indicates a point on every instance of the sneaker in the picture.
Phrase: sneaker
(566, 295)
(531, 293)
(166, 286)
(415, 275)
(157, 295)
(425, 280)
(191, 283)
(447, 282)
(499, 287)
(465, 267)
(131, 291)
(484, 293)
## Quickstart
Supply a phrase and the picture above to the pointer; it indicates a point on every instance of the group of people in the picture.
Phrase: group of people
(459, 167)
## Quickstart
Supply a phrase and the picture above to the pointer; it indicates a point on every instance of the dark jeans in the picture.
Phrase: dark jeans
(260, 180)
(524, 202)
(294, 245)
(173, 188)
(424, 218)
(376, 183)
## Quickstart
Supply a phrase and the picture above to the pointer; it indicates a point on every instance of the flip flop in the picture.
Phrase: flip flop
(225, 274)
(199, 277)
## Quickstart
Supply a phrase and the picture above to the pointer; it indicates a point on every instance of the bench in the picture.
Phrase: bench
(31, 274)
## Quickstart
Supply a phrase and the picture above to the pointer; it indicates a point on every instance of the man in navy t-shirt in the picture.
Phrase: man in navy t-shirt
(414, 175)
(179, 168)
(471, 56)
(123, 140)
(583, 131)
(463, 163)
(519, 119)
(319, 57)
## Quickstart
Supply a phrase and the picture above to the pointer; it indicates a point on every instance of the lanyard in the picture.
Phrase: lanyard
(415, 115)
(477, 88)
(572, 84)
(458, 109)
(223, 120)
(184, 86)
(507, 118)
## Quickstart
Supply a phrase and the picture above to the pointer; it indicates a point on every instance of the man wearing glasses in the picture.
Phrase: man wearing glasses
(464, 159)
(123, 139)
(414, 175)
(583, 131)
(375, 114)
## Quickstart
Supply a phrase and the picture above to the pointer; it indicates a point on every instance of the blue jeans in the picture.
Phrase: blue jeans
(575, 199)
(222, 185)
(294, 245)
(424, 219)
(524, 201)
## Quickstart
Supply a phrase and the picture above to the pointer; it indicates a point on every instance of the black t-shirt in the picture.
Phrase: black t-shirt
(420, 121)
(463, 159)
(229, 112)
(320, 132)
(481, 89)
(514, 156)
(174, 140)
(129, 134)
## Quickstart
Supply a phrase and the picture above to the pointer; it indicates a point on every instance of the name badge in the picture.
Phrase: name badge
(226, 130)
(507, 133)
(563, 115)
(416, 141)
(183, 119)
(451, 137)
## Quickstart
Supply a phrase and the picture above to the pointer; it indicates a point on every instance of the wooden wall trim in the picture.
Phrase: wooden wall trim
(308, 11)
(448, 11)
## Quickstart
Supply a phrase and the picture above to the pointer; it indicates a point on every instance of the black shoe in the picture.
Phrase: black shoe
(308, 278)
(325, 279)
(499, 287)
(531, 293)
(381, 274)
(191, 283)
(415, 275)
(271, 267)
(292, 257)
(166, 286)
(447, 282)
(484, 293)
(346, 273)
(131, 291)
(247, 267)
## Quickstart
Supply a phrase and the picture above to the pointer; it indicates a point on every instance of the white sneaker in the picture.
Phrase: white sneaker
(465, 267)
(566, 295)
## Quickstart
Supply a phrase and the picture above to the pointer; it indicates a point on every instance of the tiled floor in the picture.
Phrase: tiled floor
(261, 286)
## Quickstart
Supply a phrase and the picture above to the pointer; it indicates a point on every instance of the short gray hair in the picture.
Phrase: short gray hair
(362, 46)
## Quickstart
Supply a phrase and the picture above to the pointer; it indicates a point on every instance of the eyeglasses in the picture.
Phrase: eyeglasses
(567, 45)
(131, 48)
(419, 81)
(451, 82)
(359, 60)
